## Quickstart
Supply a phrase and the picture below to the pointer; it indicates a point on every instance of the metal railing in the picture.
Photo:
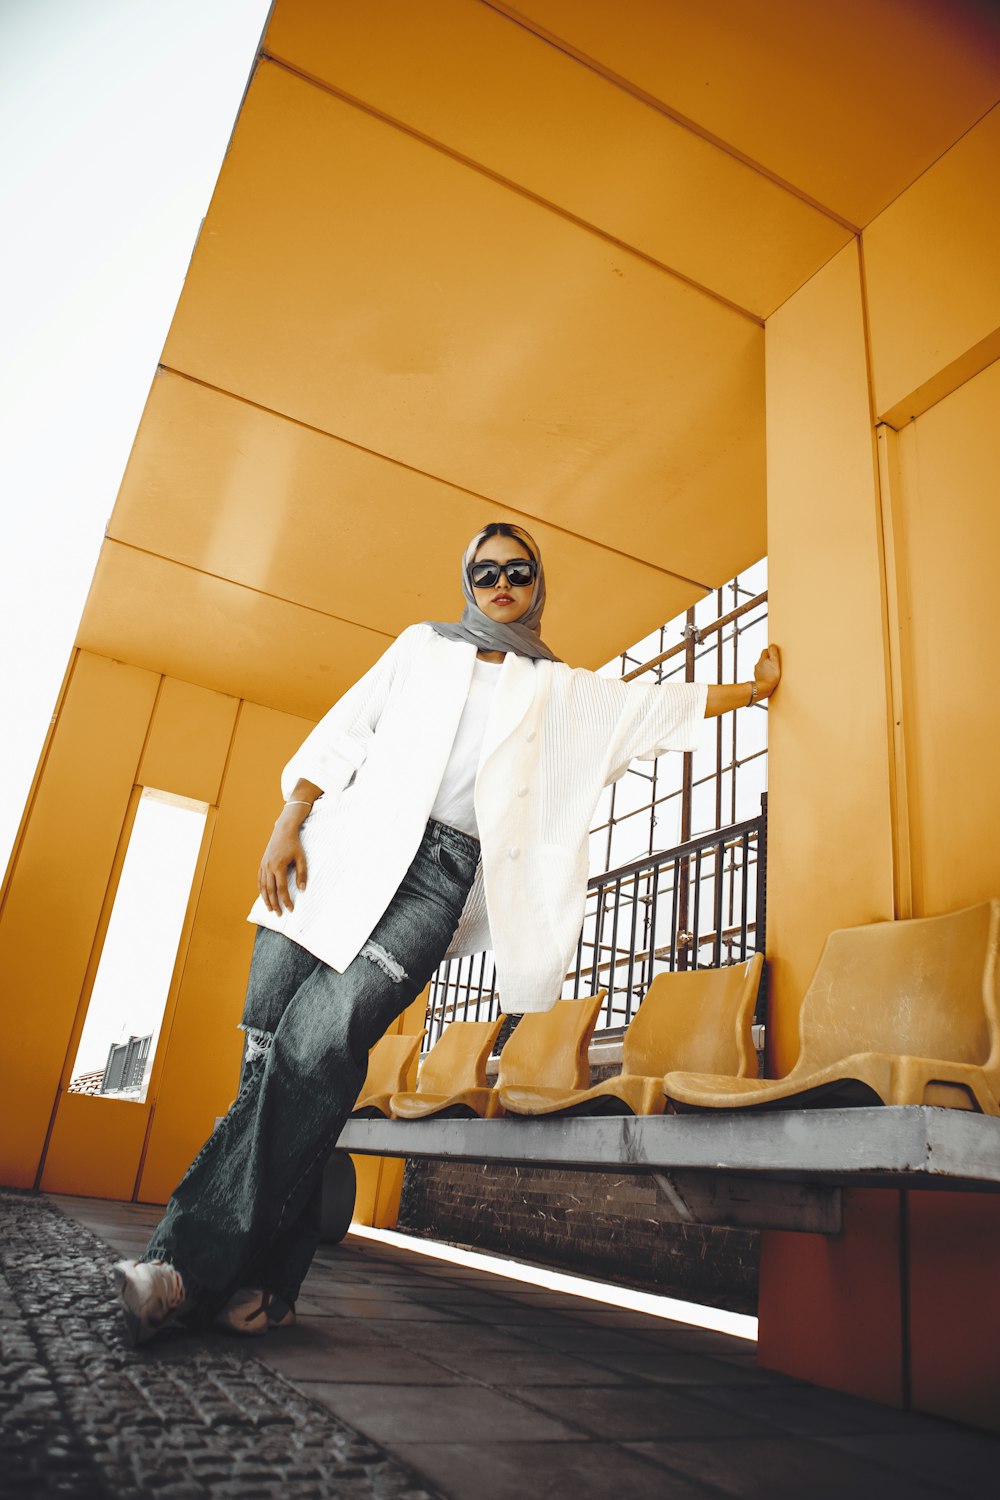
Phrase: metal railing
(699, 905)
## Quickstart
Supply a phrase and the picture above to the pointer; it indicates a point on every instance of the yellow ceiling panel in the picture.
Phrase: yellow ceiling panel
(251, 498)
(494, 92)
(154, 613)
(950, 218)
(363, 282)
(848, 100)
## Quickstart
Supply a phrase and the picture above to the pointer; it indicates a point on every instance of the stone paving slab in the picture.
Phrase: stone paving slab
(84, 1415)
(489, 1403)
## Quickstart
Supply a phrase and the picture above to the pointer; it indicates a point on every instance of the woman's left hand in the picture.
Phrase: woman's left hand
(767, 672)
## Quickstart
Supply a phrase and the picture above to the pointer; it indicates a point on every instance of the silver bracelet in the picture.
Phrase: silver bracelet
(298, 802)
(753, 693)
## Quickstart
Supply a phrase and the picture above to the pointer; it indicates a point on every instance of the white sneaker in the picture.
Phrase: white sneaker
(151, 1294)
(252, 1311)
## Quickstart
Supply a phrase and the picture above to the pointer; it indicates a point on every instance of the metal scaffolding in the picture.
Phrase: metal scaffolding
(670, 800)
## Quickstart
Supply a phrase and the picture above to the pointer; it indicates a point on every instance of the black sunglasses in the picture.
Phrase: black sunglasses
(519, 572)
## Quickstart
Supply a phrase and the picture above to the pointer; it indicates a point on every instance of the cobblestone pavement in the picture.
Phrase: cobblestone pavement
(84, 1416)
(408, 1376)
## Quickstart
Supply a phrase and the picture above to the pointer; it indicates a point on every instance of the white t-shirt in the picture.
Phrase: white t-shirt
(454, 803)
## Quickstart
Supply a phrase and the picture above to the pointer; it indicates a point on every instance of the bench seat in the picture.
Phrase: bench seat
(782, 1169)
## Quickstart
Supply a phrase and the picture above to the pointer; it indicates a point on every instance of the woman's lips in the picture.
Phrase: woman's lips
(502, 599)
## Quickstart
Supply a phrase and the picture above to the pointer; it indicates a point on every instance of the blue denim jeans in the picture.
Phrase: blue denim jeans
(247, 1211)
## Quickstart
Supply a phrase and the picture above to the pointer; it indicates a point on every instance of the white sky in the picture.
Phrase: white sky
(114, 120)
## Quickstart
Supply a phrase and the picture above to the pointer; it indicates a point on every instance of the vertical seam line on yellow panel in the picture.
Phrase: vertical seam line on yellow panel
(899, 810)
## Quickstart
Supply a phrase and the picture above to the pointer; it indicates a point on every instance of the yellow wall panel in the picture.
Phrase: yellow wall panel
(390, 1188)
(470, 333)
(201, 1068)
(380, 1178)
(367, 1176)
(849, 100)
(57, 889)
(220, 635)
(188, 741)
(932, 266)
(829, 835)
(241, 494)
(566, 134)
(948, 541)
(95, 1147)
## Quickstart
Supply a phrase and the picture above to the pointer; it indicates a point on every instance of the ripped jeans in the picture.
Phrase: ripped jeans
(247, 1211)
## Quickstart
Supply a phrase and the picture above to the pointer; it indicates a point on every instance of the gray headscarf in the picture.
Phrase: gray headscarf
(522, 636)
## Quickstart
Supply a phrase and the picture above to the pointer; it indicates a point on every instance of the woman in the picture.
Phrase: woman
(441, 807)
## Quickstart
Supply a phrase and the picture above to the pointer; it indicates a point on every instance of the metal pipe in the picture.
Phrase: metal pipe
(700, 636)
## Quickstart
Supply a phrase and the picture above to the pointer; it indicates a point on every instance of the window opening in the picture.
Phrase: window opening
(132, 983)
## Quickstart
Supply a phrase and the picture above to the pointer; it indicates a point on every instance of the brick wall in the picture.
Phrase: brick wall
(613, 1226)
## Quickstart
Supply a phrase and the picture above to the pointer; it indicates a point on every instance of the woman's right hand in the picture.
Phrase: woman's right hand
(284, 849)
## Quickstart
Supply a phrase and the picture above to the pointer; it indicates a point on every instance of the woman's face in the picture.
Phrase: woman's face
(502, 602)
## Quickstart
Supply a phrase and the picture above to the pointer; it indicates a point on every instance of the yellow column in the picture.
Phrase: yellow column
(56, 889)
(830, 830)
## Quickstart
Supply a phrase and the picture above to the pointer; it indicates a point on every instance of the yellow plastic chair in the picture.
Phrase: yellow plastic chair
(452, 1077)
(701, 1018)
(897, 1013)
(392, 1067)
(547, 1053)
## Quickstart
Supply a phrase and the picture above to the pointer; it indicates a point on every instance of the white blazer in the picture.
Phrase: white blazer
(555, 737)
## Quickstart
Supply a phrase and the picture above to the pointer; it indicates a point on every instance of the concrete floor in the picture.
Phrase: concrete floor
(484, 1388)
